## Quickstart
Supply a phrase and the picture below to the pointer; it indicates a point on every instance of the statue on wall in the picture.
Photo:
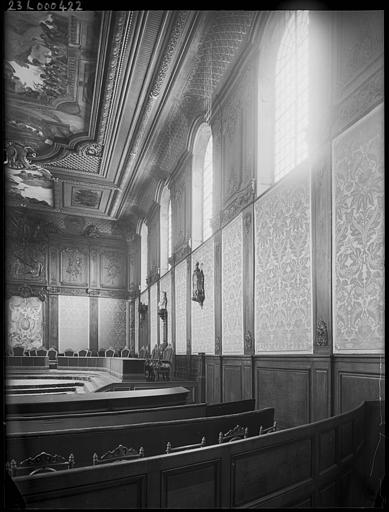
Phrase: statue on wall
(162, 306)
(198, 285)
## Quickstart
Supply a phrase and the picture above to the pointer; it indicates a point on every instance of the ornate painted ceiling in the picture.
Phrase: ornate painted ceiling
(99, 105)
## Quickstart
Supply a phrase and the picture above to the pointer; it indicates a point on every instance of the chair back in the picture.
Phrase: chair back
(110, 352)
(119, 453)
(18, 351)
(69, 352)
(33, 352)
(101, 352)
(41, 463)
(41, 352)
(52, 353)
(234, 434)
(125, 352)
(84, 353)
(168, 354)
(170, 449)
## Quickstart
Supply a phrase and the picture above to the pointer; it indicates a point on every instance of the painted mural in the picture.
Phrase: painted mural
(25, 181)
(25, 319)
(358, 216)
(50, 61)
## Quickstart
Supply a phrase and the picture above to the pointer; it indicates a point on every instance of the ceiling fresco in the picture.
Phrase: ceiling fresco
(99, 104)
(50, 62)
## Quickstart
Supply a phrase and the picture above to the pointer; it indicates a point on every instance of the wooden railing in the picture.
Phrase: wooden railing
(311, 465)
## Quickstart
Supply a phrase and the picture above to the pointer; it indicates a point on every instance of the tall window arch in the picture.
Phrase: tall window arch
(202, 185)
(169, 231)
(291, 96)
(165, 230)
(143, 255)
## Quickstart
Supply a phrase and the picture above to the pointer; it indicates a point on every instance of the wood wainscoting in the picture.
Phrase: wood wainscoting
(302, 389)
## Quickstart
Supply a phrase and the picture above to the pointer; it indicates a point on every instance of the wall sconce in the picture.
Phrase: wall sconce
(162, 306)
(142, 311)
(198, 285)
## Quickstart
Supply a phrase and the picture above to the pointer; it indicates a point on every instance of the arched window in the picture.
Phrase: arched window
(169, 232)
(291, 96)
(165, 230)
(143, 256)
(202, 185)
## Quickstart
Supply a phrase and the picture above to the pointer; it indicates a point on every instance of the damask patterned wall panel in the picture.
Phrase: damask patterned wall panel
(203, 318)
(112, 323)
(74, 266)
(73, 322)
(154, 319)
(112, 269)
(358, 236)
(25, 319)
(232, 287)
(283, 271)
(165, 285)
(180, 295)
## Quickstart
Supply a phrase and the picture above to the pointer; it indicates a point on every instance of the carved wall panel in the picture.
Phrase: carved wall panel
(237, 137)
(26, 261)
(154, 318)
(165, 285)
(25, 322)
(360, 42)
(283, 284)
(74, 266)
(112, 323)
(112, 269)
(73, 322)
(203, 318)
(358, 236)
(153, 241)
(181, 287)
(232, 287)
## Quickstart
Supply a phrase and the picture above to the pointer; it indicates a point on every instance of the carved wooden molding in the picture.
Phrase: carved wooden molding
(248, 342)
(238, 202)
(26, 291)
(321, 334)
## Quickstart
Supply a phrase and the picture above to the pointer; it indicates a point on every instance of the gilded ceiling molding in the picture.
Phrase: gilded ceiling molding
(121, 29)
(168, 55)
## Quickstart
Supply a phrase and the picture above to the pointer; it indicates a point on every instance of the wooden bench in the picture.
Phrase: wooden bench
(153, 435)
(311, 465)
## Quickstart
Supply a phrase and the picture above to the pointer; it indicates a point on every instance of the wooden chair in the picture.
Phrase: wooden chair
(110, 352)
(234, 434)
(125, 352)
(69, 352)
(52, 353)
(84, 353)
(41, 463)
(101, 352)
(33, 352)
(263, 431)
(41, 352)
(170, 449)
(163, 368)
(18, 351)
(119, 453)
